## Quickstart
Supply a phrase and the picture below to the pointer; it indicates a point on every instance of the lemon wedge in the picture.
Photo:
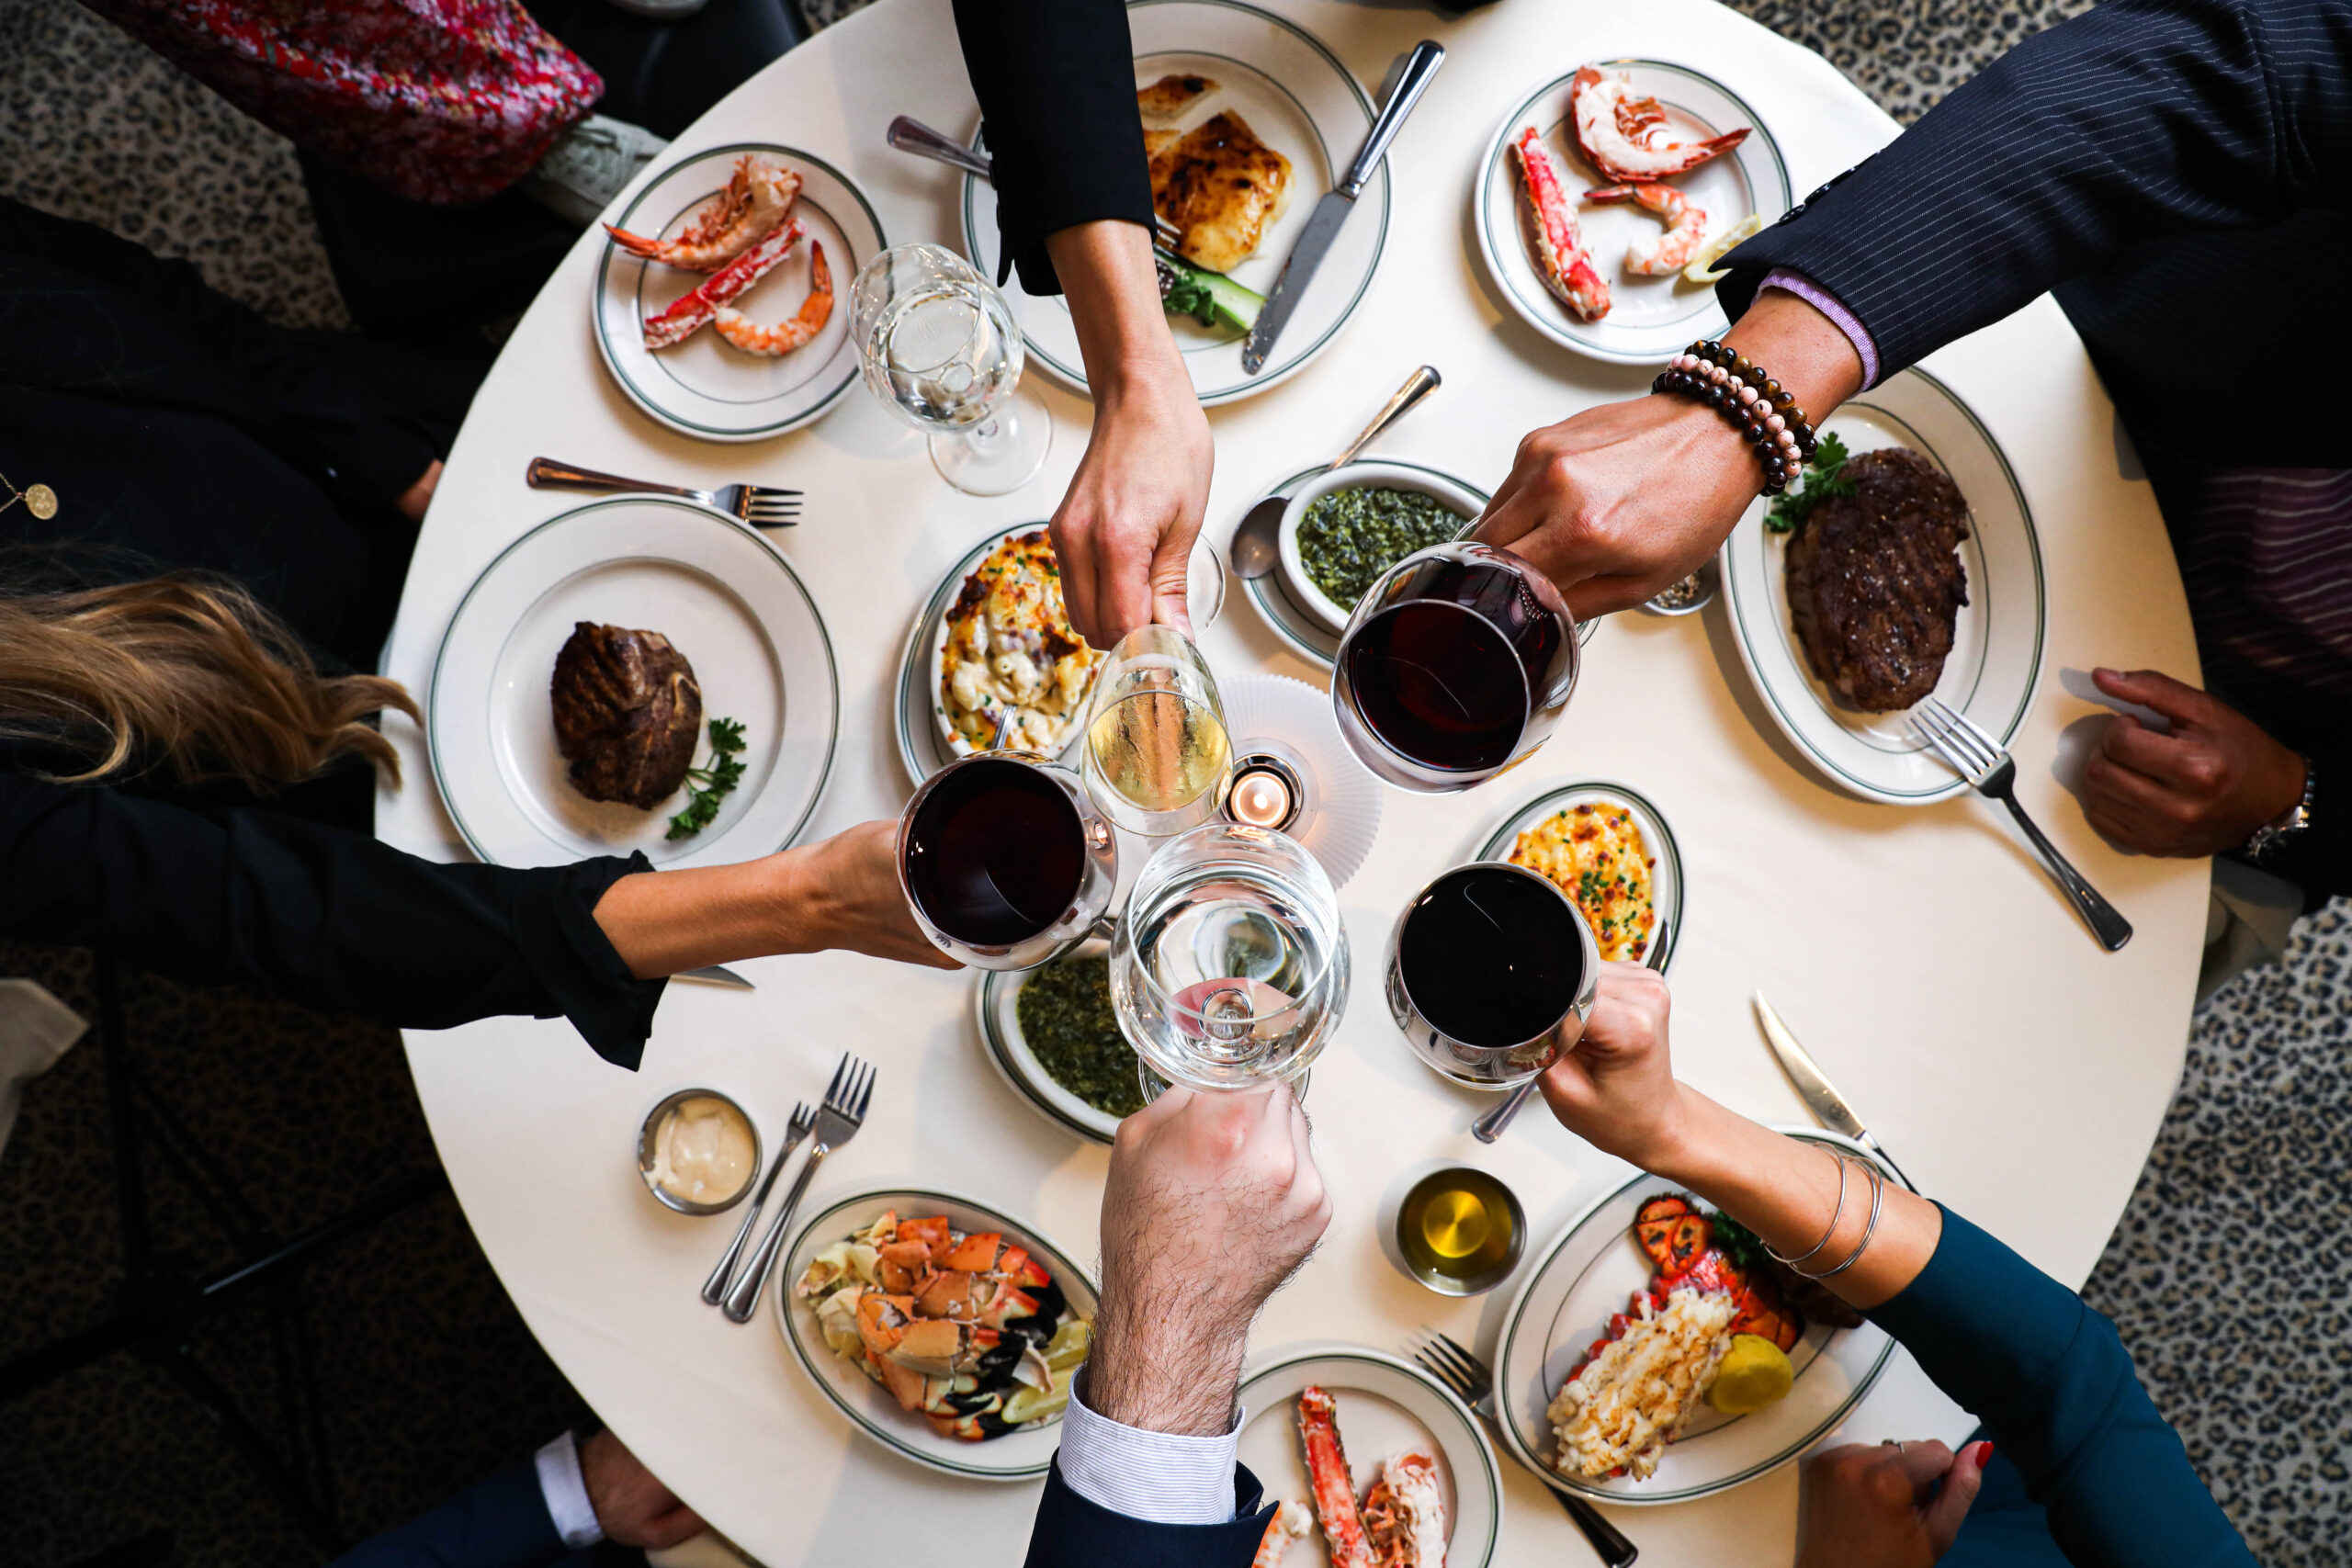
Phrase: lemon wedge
(1754, 1375)
(1700, 270)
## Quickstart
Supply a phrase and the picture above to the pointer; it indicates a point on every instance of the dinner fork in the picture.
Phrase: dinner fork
(1474, 1382)
(714, 1290)
(837, 1122)
(1986, 764)
(908, 134)
(761, 506)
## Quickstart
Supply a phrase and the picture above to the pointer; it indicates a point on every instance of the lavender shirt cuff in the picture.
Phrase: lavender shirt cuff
(1821, 300)
(566, 1491)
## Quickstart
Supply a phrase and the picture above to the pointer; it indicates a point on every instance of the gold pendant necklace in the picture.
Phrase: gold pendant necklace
(38, 499)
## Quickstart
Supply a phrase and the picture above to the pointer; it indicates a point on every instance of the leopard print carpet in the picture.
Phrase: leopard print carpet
(2221, 1275)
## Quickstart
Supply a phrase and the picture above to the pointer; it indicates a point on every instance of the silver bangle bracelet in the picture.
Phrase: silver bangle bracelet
(1878, 1199)
(1834, 1215)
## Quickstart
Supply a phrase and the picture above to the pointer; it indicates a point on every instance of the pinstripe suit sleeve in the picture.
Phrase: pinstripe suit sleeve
(2140, 119)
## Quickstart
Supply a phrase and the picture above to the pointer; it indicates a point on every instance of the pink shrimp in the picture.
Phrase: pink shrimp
(1291, 1522)
(689, 312)
(757, 200)
(1619, 133)
(1686, 227)
(747, 334)
(1552, 231)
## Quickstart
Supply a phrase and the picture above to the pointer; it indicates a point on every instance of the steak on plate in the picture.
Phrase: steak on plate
(1875, 583)
(628, 713)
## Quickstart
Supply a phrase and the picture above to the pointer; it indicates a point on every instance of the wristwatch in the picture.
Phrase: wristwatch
(2274, 835)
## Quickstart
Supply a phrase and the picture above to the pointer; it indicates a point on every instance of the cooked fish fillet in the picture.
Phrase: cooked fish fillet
(1171, 95)
(1156, 141)
(1222, 187)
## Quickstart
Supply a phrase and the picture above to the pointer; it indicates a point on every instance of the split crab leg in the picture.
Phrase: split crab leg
(694, 310)
(1552, 230)
(1333, 1483)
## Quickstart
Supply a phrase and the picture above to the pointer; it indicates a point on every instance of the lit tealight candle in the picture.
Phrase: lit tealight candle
(1261, 798)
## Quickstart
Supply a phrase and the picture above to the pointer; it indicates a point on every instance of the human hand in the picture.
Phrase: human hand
(1615, 1089)
(1621, 501)
(412, 501)
(632, 1506)
(2199, 791)
(1879, 1506)
(1212, 1202)
(843, 891)
(1123, 533)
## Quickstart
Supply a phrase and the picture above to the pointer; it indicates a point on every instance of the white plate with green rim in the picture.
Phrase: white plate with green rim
(701, 387)
(1650, 320)
(1300, 101)
(1021, 1454)
(1665, 856)
(1384, 1406)
(1997, 640)
(996, 1002)
(1585, 1274)
(726, 598)
(924, 746)
(1301, 631)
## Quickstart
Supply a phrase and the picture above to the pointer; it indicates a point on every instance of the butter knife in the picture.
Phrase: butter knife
(715, 975)
(1814, 1086)
(1331, 213)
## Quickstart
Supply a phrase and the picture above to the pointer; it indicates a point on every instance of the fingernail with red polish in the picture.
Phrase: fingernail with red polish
(1984, 1455)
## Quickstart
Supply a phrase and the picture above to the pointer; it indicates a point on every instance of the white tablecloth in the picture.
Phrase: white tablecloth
(2016, 1070)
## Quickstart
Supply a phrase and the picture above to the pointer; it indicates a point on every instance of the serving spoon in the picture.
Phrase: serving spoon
(1254, 548)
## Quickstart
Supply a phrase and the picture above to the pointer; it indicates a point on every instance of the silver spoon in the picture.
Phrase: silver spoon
(1489, 1127)
(1254, 549)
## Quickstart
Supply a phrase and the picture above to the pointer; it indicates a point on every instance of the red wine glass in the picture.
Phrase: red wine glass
(1455, 665)
(1004, 860)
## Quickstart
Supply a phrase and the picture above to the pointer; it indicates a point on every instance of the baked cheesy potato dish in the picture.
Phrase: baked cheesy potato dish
(1595, 854)
(1009, 646)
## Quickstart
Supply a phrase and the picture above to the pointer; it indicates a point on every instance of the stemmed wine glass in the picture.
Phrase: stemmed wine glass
(940, 348)
(1004, 861)
(1455, 665)
(1157, 759)
(1229, 966)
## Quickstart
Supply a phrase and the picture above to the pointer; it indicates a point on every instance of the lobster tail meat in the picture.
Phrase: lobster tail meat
(1622, 134)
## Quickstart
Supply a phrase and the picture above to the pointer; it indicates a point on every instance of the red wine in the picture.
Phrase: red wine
(1448, 672)
(1490, 957)
(996, 853)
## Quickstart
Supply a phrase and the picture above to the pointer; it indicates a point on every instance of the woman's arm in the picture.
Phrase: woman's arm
(337, 920)
(2047, 1376)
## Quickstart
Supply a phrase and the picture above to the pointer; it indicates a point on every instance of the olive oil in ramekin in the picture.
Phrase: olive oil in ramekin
(1461, 1231)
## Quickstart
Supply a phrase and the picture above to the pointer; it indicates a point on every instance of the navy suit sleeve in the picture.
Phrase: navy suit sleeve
(1072, 1532)
(326, 916)
(2140, 119)
(2055, 1390)
(499, 1523)
(1056, 85)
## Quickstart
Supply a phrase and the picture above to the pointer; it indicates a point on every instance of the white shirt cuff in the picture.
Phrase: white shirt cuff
(1155, 1476)
(566, 1491)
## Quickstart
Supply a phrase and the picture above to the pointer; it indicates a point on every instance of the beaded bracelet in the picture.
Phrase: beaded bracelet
(1758, 407)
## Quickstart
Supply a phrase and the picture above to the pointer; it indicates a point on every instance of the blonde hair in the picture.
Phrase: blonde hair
(184, 676)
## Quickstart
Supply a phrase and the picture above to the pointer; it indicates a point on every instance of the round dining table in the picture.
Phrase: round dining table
(2016, 1070)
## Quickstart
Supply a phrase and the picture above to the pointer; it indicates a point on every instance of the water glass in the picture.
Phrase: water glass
(940, 348)
(1230, 967)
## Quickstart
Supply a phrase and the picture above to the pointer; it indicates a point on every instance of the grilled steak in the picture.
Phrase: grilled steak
(628, 712)
(1875, 583)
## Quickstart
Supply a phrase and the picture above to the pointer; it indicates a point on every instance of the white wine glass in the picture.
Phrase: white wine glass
(940, 348)
(1157, 759)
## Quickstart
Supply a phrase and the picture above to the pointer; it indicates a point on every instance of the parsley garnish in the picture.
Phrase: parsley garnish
(1827, 479)
(1741, 1246)
(706, 786)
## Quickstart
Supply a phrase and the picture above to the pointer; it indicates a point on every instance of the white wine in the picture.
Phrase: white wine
(1159, 751)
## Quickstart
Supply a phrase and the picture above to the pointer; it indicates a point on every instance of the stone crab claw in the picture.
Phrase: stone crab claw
(901, 1265)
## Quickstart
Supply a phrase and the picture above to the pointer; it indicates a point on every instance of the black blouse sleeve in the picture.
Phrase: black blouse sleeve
(1056, 85)
(326, 916)
(86, 311)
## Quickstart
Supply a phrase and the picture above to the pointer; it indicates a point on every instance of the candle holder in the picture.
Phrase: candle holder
(1284, 732)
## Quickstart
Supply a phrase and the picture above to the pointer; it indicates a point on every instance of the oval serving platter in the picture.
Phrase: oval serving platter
(1998, 638)
(1022, 1454)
